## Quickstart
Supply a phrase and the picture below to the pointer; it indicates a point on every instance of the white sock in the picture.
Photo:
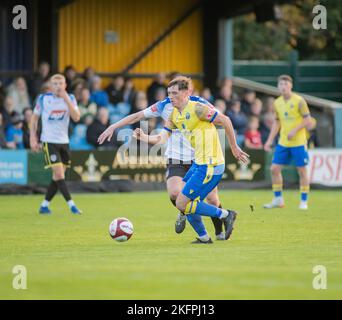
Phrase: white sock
(224, 214)
(204, 238)
(45, 203)
(71, 203)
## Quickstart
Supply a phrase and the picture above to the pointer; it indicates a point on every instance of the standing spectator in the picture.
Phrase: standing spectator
(88, 76)
(239, 121)
(99, 96)
(3, 142)
(70, 76)
(86, 106)
(38, 79)
(100, 124)
(19, 93)
(26, 127)
(206, 94)
(115, 90)
(14, 133)
(226, 94)
(8, 113)
(158, 82)
(247, 100)
(252, 134)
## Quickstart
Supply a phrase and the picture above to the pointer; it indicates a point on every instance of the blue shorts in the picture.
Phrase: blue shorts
(297, 156)
(200, 180)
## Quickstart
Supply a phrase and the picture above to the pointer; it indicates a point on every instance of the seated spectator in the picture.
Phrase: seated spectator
(26, 127)
(85, 105)
(248, 98)
(226, 94)
(256, 108)
(38, 79)
(70, 75)
(239, 121)
(8, 112)
(269, 105)
(206, 94)
(220, 105)
(161, 94)
(19, 93)
(14, 133)
(157, 83)
(115, 91)
(99, 125)
(3, 142)
(77, 86)
(99, 96)
(252, 134)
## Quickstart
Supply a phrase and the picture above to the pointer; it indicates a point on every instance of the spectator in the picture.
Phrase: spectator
(266, 125)
(38, 79)
(256, 108)
(247, 100)
(70, 76)
(19, 93)
(88, 76)
(78, 139)
(85, 105)
(129, 92)
(8, 111)
(26, 127)
(3, 142)
(140, 104)
(206, 94)
(115, 90)
(161, 94)
(269, 105)
(77, 87)
(158, 82)
(252, 134)
(46, 87)
(220, 105)
(99, 96)
(239, 121)
(14, 133)
(2, 96)
(226, 94)
(100, 124)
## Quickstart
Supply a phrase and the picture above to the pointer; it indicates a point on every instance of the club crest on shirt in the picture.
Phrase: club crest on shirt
(187, 116)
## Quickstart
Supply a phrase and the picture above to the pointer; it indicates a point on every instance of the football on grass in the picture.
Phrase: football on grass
(121, 229)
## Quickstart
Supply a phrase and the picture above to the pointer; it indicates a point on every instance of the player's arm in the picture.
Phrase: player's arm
(160, 138)
(75, 113)
(306, 122)
(131, 119)
(207, 113)
(34, 144)
(273, 133)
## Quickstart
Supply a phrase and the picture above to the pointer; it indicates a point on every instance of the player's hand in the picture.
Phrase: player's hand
(35, 146)
(107, 134)
(140, 135)
(240, 155)
(62, 94)
(268, 146)
(291, 134)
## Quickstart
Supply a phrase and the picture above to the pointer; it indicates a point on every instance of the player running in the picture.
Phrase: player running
(292, 119)
(179, 155)
(55, 108)
(196, 122)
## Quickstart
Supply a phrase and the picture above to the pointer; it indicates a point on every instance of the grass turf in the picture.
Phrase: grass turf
(271, 255)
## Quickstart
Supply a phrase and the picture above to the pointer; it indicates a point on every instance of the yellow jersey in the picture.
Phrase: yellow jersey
(290, 114)
(195, 123)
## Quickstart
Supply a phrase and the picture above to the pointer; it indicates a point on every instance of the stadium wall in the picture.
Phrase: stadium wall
(108, 35)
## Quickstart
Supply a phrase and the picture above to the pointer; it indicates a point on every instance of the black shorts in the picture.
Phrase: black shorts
(177, 168)
(56, 154)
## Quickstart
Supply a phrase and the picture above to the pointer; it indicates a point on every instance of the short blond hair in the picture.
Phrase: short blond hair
(285, 77)
(57, 76)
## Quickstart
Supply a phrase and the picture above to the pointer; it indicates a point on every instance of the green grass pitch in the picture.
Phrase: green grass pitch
(271, 254)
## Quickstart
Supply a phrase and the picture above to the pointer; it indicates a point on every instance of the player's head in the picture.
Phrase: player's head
(58, 83)
(179, 90)
(285, 84)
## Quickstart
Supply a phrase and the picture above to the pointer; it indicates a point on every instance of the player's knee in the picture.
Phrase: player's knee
(213, 200)
(181, 205)
(173, 193)
(275, 170)
(58, 175)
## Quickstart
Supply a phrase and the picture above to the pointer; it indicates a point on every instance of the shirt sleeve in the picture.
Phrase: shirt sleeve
(169, 124)
(156, 109)
(74, 101)
(205, 112)
(303, 108)
(39, 106)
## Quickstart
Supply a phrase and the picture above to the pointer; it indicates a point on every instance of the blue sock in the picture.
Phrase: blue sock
(304, 196)
(277, 193)
(205, 209)
(197, 223)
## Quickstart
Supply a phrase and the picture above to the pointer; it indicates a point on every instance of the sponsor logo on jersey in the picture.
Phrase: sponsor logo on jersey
(57, 115)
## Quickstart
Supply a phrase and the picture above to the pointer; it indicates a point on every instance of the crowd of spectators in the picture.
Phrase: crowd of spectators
(102, 105)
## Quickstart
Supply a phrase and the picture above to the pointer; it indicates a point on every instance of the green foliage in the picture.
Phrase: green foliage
(274, 40)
